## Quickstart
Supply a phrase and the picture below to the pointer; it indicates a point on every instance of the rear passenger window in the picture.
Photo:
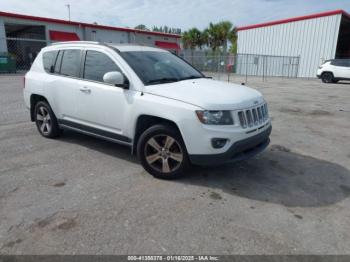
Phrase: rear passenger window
(49, 59)
(97, 64)
(341, 62)
(70, 63)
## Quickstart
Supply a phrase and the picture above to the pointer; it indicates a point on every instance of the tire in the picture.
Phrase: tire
(45, 120)
(162, 152)
(327, 77)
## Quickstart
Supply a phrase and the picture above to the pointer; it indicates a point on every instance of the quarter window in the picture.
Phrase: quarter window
(49, 59)
(97, 64)
(70, 63)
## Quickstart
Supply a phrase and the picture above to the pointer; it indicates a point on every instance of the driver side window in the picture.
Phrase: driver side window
(97, 64)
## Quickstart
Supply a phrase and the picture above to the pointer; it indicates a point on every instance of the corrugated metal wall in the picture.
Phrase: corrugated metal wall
(314, 40)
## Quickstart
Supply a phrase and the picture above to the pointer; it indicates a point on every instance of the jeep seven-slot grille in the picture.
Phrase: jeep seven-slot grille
(253, 116)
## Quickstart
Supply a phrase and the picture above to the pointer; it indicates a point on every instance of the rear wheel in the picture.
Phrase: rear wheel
(327, 77)
(45, 120)
(162, 152)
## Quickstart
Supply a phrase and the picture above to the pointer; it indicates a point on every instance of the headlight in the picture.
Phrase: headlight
(215, 117)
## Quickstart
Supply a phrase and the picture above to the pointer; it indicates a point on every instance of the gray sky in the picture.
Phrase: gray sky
(175, 13)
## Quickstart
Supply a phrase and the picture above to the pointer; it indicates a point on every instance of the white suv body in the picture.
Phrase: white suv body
(124, 93)
(331, 71)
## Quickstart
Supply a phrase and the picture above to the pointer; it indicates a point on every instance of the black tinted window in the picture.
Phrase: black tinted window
(341, 62)
(97, 65)
(58, 63)
(70, 63)
(49, 59)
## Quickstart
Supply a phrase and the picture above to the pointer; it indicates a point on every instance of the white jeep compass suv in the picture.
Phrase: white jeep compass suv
(331, 71)
(168, 112)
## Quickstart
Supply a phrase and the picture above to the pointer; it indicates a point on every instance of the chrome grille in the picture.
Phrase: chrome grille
(253, 116)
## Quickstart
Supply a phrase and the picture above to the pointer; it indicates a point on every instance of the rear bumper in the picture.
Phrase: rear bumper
(240, 150)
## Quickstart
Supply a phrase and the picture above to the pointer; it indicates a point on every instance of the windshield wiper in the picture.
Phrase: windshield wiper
(191, 77)
(163, 80)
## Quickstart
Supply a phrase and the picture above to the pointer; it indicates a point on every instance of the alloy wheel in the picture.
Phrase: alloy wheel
(44, 120)
(163, 153)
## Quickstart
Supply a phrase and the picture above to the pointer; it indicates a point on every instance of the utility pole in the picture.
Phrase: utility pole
(68, 6)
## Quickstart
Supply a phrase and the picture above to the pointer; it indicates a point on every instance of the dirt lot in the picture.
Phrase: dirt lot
(81, 195)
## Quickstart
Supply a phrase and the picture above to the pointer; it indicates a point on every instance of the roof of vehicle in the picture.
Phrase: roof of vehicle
(119, 47)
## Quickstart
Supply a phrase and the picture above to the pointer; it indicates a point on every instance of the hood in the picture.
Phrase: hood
(208, 94)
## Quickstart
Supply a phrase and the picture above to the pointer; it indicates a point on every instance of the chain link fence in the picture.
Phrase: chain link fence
(18, 54)
(224, 67)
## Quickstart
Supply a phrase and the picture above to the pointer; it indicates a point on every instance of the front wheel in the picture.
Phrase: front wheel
(327, 77)
(162, 152)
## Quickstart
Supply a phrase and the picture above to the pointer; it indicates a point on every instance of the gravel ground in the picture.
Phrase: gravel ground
(81, 195)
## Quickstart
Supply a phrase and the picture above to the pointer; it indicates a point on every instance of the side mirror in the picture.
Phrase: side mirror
(116, 78)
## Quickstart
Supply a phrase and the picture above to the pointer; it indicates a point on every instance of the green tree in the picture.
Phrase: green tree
(167, 29)
(233, 48)
(142, 27)
(214, 40)
(219, 34)
(192, 39)
(204, 38)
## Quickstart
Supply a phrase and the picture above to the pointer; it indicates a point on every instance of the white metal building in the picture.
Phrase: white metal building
(22, 36)
(313, 38)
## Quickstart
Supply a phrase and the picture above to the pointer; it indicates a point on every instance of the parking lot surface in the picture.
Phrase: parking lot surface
(81, 195)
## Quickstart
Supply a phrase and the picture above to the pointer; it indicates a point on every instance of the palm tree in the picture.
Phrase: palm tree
(204, 38)
(192, 39)
(214, 39)
(227, 33)
(220, 33)
(232, 37)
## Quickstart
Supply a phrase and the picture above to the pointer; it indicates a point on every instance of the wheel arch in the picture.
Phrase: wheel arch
(324, 72)
(146, 121)
(34, 99)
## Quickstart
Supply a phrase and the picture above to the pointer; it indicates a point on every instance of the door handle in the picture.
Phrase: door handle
(85, 90)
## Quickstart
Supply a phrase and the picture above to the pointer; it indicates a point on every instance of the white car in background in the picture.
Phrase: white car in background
(331, 71)
(146, 98)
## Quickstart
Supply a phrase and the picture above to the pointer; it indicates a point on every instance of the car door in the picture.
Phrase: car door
(101, 105)
(63, 86)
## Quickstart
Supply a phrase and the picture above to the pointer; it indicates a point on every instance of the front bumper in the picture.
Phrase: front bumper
(240, 150)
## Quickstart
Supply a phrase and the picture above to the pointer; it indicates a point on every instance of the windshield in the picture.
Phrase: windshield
(159, 67)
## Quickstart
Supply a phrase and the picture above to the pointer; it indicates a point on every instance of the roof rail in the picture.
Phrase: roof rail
(76, 42)
(86, 42)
